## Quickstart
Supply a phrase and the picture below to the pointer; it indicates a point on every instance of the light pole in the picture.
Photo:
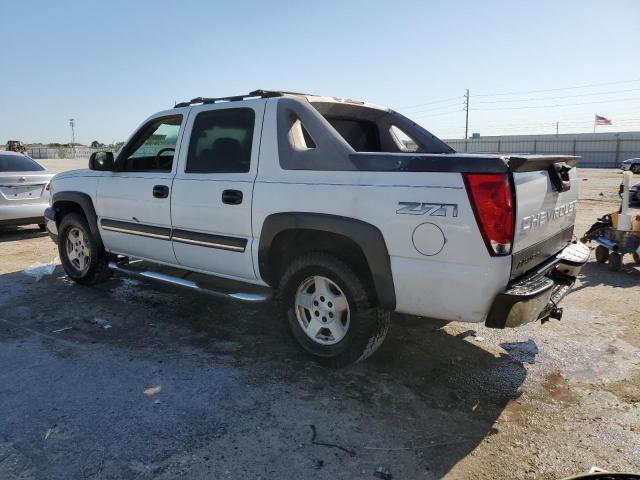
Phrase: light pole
(72, 124)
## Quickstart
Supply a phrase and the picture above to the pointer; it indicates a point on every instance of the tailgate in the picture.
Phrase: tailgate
(546, 193)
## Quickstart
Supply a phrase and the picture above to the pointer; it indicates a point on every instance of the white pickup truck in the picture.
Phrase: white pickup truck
(346, 209)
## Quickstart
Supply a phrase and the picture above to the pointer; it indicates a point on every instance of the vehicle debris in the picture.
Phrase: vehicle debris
(103, 323)
(151, 391)
(382, 473)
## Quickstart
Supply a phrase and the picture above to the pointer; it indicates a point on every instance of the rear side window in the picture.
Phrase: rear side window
(18, 163)
(221, 141)
(362, 135)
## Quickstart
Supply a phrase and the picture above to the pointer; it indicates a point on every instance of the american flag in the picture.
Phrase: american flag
(602, 120)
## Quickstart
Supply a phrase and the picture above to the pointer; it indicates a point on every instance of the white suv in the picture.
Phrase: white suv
(346, 210)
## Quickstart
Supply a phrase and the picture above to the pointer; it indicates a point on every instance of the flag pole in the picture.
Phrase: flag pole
(595, 122)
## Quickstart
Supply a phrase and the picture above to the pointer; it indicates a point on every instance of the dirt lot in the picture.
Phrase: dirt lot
(238, 400)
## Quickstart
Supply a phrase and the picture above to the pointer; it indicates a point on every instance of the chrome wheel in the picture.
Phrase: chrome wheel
(322, 310)
(78, 249)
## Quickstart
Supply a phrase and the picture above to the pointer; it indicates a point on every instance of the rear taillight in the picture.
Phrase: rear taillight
(48, 187)
(492, 203)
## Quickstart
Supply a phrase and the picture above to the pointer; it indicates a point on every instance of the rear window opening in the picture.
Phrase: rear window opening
(362, 135)
(377, 130)
(18, 163)
(299, 136)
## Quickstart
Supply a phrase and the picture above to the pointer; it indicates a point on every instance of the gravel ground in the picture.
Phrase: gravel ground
(237, 400)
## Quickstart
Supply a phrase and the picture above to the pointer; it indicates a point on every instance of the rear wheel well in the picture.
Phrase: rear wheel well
(290, 244)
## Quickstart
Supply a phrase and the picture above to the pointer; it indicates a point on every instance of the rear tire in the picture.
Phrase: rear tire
(602, 254)
(82, 258)
(328, 311)
(615, 262)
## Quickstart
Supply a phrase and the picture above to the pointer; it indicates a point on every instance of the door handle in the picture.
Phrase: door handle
(232, 197)
(160, 191)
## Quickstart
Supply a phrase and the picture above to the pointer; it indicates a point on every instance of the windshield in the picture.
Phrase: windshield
(18, 163)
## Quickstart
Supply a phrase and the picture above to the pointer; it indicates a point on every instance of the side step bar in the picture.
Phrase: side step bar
(181, 282)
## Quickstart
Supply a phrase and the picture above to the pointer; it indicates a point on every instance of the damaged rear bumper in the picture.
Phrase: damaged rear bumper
(537, 295)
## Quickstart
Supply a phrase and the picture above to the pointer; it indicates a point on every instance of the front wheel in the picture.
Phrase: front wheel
(328, 311)
(635, 168)
(82, 258)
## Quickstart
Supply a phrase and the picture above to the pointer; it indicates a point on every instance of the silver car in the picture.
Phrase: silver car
(24, 190)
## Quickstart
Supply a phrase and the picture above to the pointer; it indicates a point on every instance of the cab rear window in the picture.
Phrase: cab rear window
(18, 163)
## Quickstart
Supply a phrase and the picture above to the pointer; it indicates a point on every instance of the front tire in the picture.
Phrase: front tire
(635, 168)
(328, 311)
(82, 258)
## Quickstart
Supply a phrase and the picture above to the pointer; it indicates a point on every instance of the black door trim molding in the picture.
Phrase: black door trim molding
(162, 233)
(221, 242)
(209, 240)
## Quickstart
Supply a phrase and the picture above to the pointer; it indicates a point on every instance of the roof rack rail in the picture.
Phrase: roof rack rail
(238, 98)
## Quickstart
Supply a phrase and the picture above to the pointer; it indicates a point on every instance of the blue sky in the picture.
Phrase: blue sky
(111, 64)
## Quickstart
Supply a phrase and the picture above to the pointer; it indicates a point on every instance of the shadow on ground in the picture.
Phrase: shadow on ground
(13, 234)
(594, 274)
(236, 397)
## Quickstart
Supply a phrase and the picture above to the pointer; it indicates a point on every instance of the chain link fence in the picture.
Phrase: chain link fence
(608, 153)
(64, 152)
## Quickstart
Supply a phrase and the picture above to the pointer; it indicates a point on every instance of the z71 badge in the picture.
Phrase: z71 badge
(429, 209)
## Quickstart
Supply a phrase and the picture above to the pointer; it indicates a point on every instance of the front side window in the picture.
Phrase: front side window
(221, 141)
(153, 148)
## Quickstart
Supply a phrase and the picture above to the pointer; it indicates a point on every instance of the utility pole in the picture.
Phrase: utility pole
(72, 124)
(466, 109)
(557, 129)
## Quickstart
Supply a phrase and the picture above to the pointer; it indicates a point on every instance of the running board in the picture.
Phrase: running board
(181, 282)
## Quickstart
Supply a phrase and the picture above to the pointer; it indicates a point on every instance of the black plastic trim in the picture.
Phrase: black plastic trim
(221, 242)
(86, 204)
(209, 240)
(365, 235)
(162, 233)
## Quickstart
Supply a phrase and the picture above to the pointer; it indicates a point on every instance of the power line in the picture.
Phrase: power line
(557, 89)
(558, 105)
(457, 110)
(559, 98)
(456, 104)
(429, 103)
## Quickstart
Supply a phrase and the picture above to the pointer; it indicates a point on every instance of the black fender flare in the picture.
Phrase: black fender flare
(365, 235)
(85, 203)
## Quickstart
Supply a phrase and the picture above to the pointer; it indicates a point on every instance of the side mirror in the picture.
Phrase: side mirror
(101, 161)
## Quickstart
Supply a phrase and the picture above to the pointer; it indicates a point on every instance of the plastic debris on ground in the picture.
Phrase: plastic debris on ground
(48, 433)
(103, 323)
(383, 473)
(39, 270)
(151, 391)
